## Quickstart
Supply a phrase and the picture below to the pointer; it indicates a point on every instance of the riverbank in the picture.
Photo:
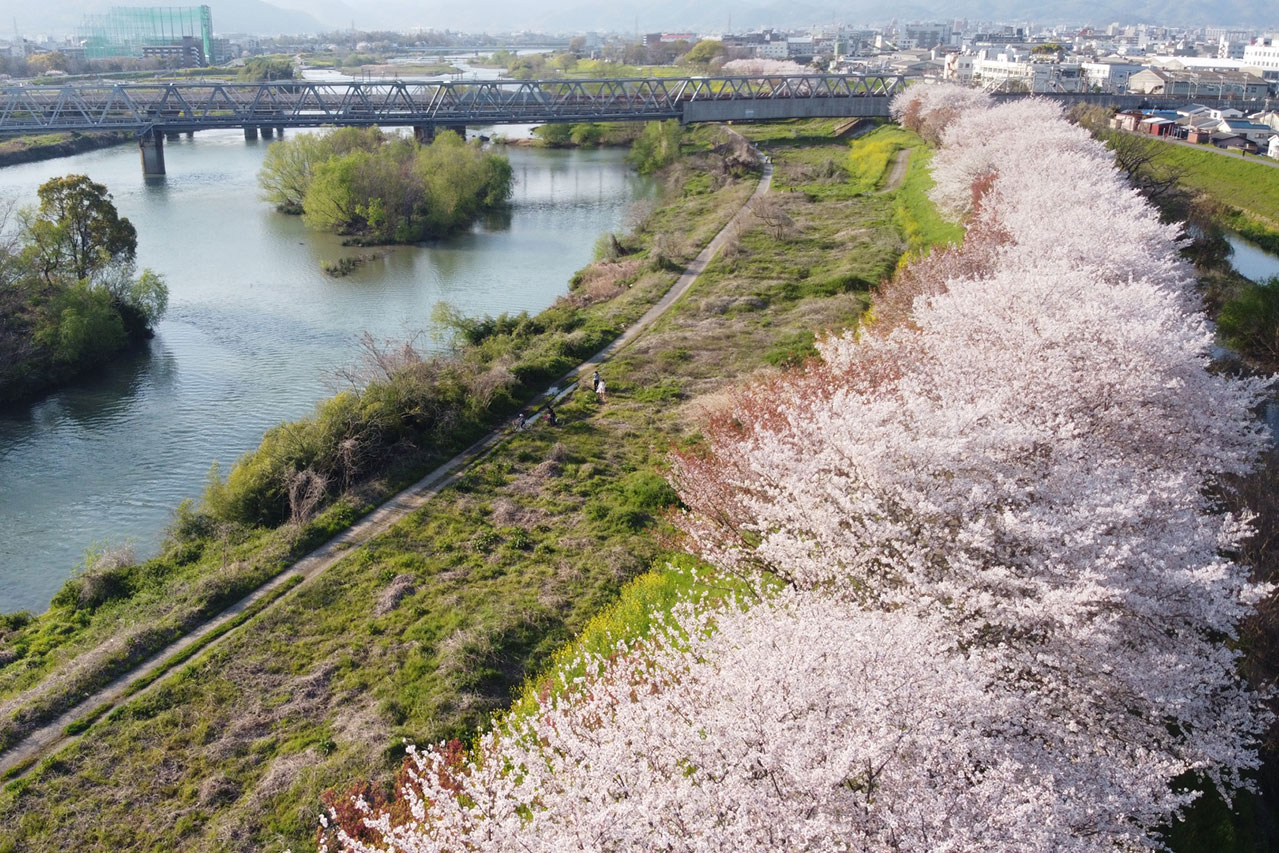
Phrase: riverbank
(1245, 188)
(48, 146)
(428, 629)
(213, 558)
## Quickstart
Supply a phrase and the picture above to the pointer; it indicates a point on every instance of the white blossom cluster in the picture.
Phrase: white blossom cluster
(1008, 593)
(760, 67)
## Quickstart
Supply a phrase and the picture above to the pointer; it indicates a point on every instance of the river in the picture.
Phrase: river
(1251, 260)
(254, 333)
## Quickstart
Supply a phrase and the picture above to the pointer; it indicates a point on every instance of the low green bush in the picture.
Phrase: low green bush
(1249, 321)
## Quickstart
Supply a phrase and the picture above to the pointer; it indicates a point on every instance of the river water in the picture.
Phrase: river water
(254, 333)
(1251, 260)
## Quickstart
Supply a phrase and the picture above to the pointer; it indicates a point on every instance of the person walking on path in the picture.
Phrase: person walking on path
(601, 389)
(595, 381)
(550, 416)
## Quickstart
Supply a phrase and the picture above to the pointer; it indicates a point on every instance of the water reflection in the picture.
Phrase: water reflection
(254, 334)
(1251, 260)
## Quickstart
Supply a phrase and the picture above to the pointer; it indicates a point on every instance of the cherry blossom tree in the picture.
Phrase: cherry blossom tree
(763, 67)
(994, 590)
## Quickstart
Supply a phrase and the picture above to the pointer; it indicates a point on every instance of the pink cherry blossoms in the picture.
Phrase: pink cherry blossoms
(764, 67)
(1007, 587)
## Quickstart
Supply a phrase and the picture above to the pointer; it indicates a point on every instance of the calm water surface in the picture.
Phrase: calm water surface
(1251, 260)
(254, 334)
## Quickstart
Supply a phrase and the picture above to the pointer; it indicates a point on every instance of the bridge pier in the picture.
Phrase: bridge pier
(250, 134)
(172, 135)
(268, 132)
(151, 147)
(279, 132)
(425, 133)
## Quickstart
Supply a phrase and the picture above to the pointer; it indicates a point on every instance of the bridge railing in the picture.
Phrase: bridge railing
(192, 106)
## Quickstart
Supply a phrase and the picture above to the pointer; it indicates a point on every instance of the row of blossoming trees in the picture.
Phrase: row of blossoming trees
(1006, 597)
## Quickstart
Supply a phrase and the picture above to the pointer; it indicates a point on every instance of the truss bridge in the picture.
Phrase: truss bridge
(156, 109)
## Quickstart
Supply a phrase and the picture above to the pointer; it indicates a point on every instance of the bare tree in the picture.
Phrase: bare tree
(775, 220)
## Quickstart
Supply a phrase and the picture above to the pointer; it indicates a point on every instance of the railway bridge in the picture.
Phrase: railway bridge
(154, 110)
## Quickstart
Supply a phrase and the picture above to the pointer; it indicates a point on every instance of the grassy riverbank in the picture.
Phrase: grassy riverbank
(1246, 190)
(117, 613)
(429, 629)
(47, 146)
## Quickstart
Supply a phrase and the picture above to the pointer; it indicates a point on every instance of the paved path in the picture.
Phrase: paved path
(53, 734)
(1250, 158)
(898, 172)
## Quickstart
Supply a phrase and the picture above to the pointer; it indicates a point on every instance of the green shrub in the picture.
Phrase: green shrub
(1249, 322)
(657, 146)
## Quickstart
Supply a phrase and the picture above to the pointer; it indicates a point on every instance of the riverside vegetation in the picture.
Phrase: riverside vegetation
(70, 297)
(380, 189)
(429, 629)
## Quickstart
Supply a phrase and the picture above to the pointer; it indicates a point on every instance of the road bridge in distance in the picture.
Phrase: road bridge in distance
(159, 109)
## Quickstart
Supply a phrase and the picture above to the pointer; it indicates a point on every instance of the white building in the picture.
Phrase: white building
(1109, 76)
(799, 47)
(959, 68)
(1008, 72)
(1273, 151)
(772, 50)
(1263, 55)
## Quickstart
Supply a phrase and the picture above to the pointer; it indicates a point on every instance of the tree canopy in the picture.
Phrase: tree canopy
(384, 189)
(69, 294)
(77, 230)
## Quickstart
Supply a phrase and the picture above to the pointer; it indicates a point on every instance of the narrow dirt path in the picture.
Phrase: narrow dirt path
(53, 734)
(897, 173)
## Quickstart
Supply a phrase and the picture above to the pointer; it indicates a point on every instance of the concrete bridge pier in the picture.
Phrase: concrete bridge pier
(268, 132)
(250, 134)
(172, 135)
(425, 133)
(151, 146)
(279, 132)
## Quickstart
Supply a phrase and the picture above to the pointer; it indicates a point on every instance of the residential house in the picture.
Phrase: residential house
(1234, 142)
(1127, 120)
(1256, 133)
(1197, 127)
(1274, 147)
(1157, 126)
(1269, 118)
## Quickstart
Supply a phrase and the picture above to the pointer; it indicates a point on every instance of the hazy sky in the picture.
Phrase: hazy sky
(61, 16)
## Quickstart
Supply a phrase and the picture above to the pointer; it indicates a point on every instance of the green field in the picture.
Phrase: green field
(1233, 180)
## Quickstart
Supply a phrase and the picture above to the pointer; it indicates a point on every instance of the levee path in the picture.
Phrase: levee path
(901, 160)
(24, 754)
